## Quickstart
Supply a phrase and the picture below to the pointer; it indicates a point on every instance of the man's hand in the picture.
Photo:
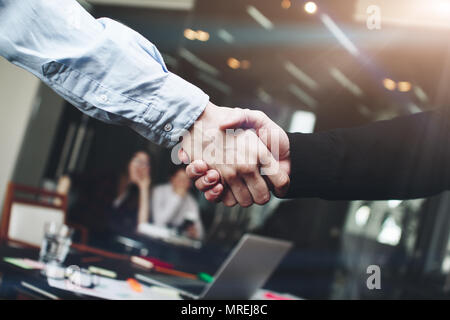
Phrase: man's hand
(270, 133)
(236, 157)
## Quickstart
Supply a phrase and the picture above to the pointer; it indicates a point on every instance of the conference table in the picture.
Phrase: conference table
(19, 283)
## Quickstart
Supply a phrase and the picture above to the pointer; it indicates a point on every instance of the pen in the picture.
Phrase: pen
(135, 285)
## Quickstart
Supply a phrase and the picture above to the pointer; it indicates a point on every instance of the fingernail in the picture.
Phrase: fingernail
(207, 180)
(215, 190)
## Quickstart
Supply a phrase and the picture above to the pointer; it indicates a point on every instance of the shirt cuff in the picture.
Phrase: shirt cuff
(180, 103)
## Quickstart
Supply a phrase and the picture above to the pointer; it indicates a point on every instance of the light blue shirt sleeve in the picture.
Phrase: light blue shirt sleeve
(102, 67)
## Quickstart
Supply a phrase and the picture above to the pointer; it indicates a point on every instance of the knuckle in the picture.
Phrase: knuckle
(199, 184)
(229, 202)
(284, 181)
(190, 171)
(246, 168)
(231, 175)
(213, 175)
(246, 203)
(263, 199)
(245, 199)
(209, 196)
(258, 114)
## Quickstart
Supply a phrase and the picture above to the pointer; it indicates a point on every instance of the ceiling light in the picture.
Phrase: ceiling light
(364, 110)
(197, 62)
(389, 84)
(300, 75)
(414, 108)
(225, 36)
(259, 17)
(190, 34)
(215, 83)
(302, 96)
(310, 7)
(421, 94)
(264, 96)
(346, 82)
(184, 5)
(286, 4)
(234, 63)
(202, 35)
(196, 35)
(339, 34)
(404, 86)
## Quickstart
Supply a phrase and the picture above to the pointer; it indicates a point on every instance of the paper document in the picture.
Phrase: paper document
(112, 289)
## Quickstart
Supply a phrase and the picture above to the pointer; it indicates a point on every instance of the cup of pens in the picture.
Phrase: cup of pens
(55, 247)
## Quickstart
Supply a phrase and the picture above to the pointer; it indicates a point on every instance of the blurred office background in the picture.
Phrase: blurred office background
(311, 67)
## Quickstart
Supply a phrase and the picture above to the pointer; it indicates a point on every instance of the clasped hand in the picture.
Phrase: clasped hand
(237, 156)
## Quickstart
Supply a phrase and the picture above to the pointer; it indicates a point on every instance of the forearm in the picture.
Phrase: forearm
(144, 206)
(404, 158)
(102, 67)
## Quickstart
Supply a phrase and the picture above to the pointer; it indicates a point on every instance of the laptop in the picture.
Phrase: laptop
(245, 270)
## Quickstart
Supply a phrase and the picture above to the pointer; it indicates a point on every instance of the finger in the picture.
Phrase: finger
(271, 168)
(236, 120)
(197, 169)
(214, 194)
(268, 131)
(240, 118)
(244, 118)
(258, 188)
(208, 181)
(228, 198)
(238, 188)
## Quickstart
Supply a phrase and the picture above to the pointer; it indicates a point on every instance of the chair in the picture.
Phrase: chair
(27, 209)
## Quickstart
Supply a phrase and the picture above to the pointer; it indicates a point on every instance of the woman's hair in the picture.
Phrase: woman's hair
(124, 166)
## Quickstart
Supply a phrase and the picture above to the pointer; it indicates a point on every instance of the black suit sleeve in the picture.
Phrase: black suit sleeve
(407, 157)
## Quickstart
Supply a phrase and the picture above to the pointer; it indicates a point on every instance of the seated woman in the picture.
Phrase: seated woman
(169, 205)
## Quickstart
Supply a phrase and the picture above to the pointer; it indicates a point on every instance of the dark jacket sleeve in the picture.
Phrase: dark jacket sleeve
(407, 157)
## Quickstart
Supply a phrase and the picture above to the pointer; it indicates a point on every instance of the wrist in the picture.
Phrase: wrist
(144, 187)
(202, 132)
(206, 116)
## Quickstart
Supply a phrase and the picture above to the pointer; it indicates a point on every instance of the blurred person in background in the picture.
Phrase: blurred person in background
(168, 205)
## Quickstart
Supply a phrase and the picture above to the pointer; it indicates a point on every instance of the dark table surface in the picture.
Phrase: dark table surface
(15, 282)
(13, 277)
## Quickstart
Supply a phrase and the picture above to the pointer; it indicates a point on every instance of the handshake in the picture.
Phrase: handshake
(236, 156)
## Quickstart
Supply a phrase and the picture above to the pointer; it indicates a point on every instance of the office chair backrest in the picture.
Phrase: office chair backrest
(27, 210)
